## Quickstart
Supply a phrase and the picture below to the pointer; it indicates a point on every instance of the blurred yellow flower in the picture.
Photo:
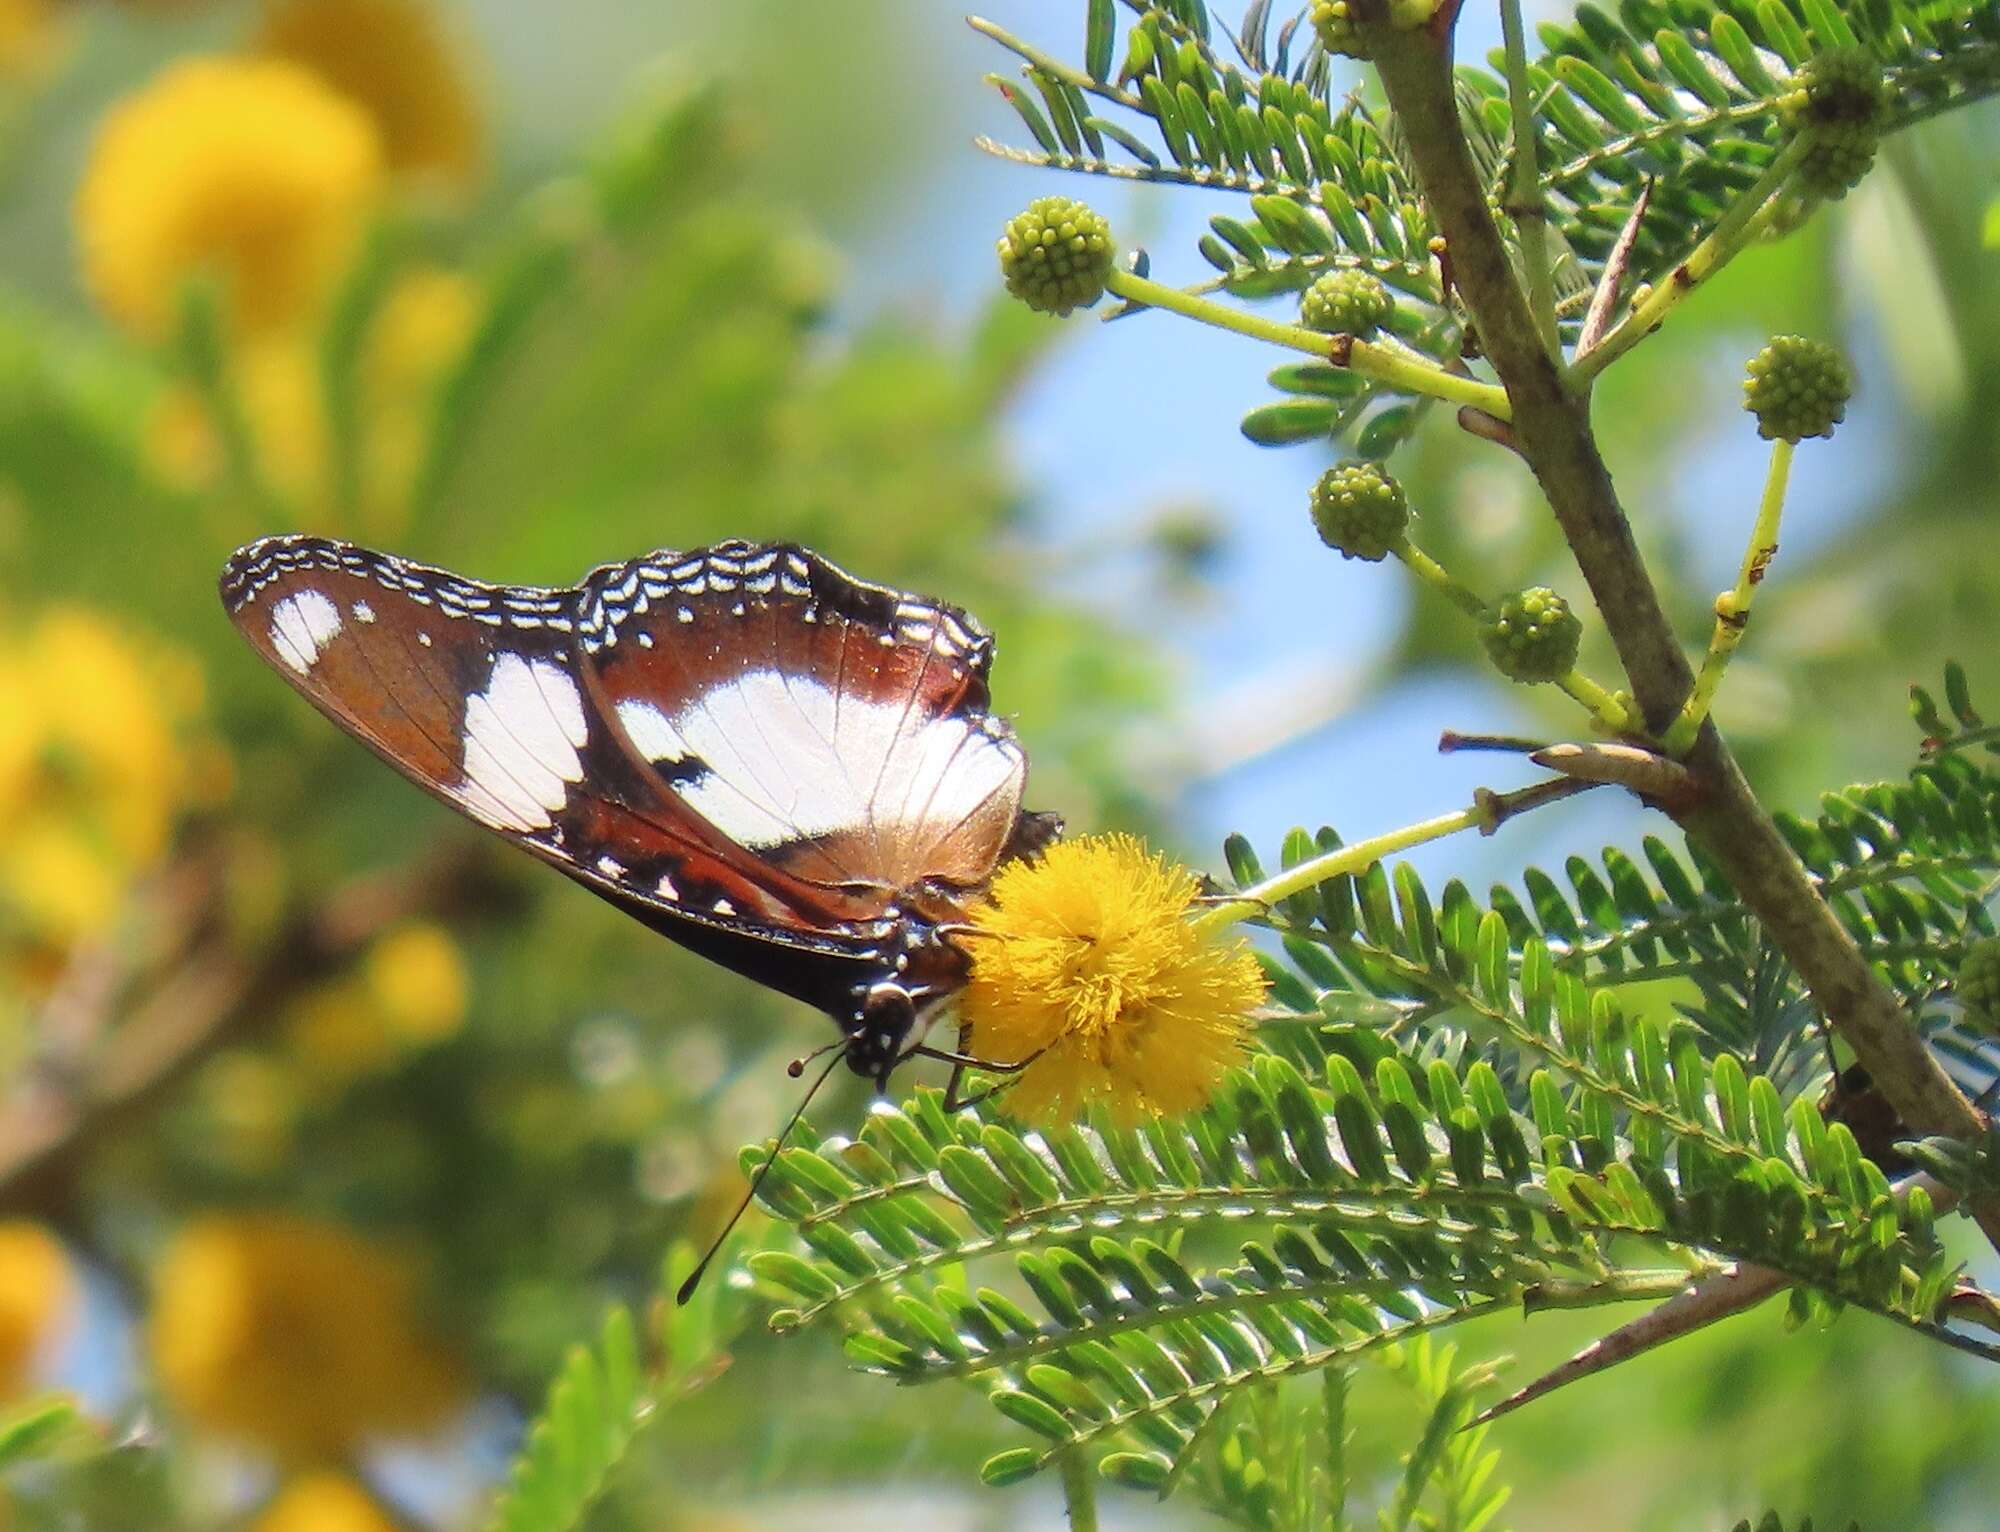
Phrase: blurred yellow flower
(1090, 971)
(422, 328)
(323, 1502)
(417, 977)
(37, 1294)
(336, 1034)
(98, 758)
(299, 1336)
(393, 60)
(253, 169)
(31, 34)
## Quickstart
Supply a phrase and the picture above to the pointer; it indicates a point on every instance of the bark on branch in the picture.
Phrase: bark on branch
(1552, 432)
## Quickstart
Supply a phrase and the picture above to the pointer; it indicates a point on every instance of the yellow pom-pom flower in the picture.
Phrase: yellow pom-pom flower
(1089, 969)
(299, 1336)
(37, 1293)
(392, 59)
(323, 1502)
(253, 169)
(97, 762)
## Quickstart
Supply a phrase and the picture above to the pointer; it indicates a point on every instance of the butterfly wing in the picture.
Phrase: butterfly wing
(744, 747)
(475, 693)
(836, 728)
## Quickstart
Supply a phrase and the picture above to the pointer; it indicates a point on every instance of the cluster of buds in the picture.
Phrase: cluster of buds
(1838, 103)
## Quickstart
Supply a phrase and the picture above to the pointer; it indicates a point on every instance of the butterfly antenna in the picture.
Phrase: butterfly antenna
(797, 1067)
(686, 1290)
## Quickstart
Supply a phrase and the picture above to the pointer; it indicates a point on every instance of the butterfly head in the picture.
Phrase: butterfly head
(884, 1016)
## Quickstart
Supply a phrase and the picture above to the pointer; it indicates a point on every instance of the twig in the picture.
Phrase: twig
(1387, 365)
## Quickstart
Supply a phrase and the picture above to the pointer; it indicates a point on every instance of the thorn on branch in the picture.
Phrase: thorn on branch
(1731, 1291)
(1604, 300)
(1663, 783)
(1478, 423)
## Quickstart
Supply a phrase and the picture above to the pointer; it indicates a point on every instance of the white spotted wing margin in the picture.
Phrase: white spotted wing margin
(750, 751)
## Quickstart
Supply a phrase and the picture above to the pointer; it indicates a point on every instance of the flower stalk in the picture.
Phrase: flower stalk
(1606, 712)
(1387, 365)
(1256, 899)
(1732, 607)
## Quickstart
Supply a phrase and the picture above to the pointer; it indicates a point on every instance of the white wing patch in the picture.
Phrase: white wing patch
(521, 740)
(651, 735)
(786, 760)
(301, 626)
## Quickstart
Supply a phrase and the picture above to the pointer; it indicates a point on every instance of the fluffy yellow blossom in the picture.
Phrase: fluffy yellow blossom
(37, 1293)
(253, 169)
(97, 760)
(323, 1502)
(392, 59)
(1089, 967)
(31, 34)
(296, 1335)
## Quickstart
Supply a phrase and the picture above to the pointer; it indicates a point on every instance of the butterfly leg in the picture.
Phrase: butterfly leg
(961, 1062)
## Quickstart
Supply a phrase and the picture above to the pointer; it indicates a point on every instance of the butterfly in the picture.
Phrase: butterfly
(781, 767)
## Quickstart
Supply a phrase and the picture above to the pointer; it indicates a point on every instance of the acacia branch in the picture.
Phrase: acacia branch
(1553, 433)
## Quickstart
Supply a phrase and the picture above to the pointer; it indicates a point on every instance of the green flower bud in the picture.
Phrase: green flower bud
(1978, 984)
(1360, 511)
(1346, 303)
(1839, 85)
(1839, 103)
(1836, 158)
(1797, 388)
(1056, 255)
(1333, 22)
(1532, 635)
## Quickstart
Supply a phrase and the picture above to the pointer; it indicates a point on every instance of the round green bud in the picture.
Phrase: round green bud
(1837, 157)
(1978, 984)
(1346, 303)
(1797, 388)
(1333, 23)
(1056, 255)
(1360, 511)
(1532, 635)
(1839, 85)
(1839, 103)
